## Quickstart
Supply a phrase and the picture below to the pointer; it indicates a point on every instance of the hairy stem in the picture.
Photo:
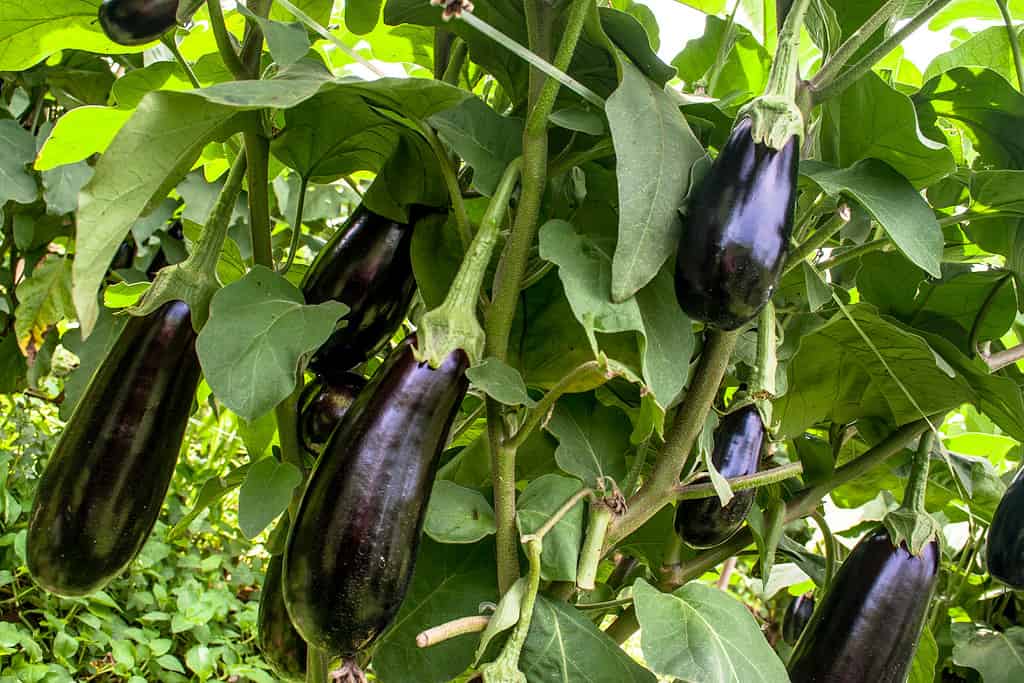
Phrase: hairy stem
(300, 205)
(830, 70)
(590, 556)
(451, 182)
(257, 149)
(540, 412)
(223, 39)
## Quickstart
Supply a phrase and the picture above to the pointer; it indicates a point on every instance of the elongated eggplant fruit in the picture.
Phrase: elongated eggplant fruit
(105, 482)
(736, 235)
(867, 626)
(365, 266)
(796, 617)
(282, 646)
(1005, 551)
(740, 443)
(353, 543)
(135, 22)
(322, 405)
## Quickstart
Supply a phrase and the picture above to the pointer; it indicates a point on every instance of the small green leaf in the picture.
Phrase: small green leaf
(265, 494)
(505, 616)
(500, 381)
(485, 139)
(457, 515)
(288, 43)
(593, 440)
(44, 299)
(926, 658)
(542, 497)
(123, 294)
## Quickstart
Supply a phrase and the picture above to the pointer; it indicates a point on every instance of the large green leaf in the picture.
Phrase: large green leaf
(593, 440)
(743, 74)
(486, 140)
(564, 645)
(265, 494)
(17, 149)
(989, 49)
(542, 497)
(257, 338)
(657, 153)
(998, 657)
(700, 633)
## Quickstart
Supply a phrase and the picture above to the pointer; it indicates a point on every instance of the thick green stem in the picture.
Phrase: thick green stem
(257, 149)
(768, 477)
(454, 325)
(252, 45)
(300, 205)
(223, 39)
(816, 241)
(206, 252)
(917, 485)
(460, 50)
(622, 628)
(503, 481)
(680, 439)
(767, 355)
(827, 91)
(1018, 61)
(782, 77)
(590, 557)
(586, 374)
(316, 666)
(830, 548)
(854, 253)
(506, 667)
(830, 70)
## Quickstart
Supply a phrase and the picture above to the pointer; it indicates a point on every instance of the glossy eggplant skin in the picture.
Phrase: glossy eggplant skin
(352, 546)
(366, 266)
(736, 234)
(867, 626)
(136, 22)
(282, 646)
(740, 443)
(796, 617)
(323, 403)
(1005, 548)
(124, 257)
(106, 480)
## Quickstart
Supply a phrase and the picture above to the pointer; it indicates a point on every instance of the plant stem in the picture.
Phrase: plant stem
(816, 241)
(602, 149)
(854, 253)
(512, 266)
(956, 219)
(455, 63)
(300, 205)
(1001, 359)
(168, 41)
(768, 477)
(554, 519)
(680, 439)
(917, 485)
(257, 149)
(316, 666)
(538, 413)
(622, 628)
(983, 312)
(830, 548)
(847, 78)
(590, 555)
(830, 70)
(223, 39)
(252, 44)
(506, 666)
(451, 629)
(782, 77)
(327, 35)
(206, 252)
(767, 355)
(451, 181)
(1018, 61)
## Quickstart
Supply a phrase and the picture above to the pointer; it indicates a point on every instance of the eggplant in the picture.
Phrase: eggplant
(106, 480)
(125, 256)
(1005, 548)
(323, 403)
(796, 617)
(352, 545)
(740, 443)
(136, 22)
(868, 625)
(736, 234)
(366, 266)
(282, 646)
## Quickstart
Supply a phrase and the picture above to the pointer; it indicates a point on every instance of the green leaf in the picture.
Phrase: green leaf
(257, 434)
(872, 120)
(505, 616)
(361, 16)
(593, 440)
(564, 645)
(700, 633)
(319, 10)
(201, 660)
(44, 299)
(742, 76)
(446, 585)
(173, 128)
(288, 43)
(890, 200)
(61, 186)
(631, 36)
(486, 140)
(265, 494)
(457, 515)
(213, 489)
(79, 134)
(257, 338)
(767, 526)
(988, 49)
(542, 497)
(500, 381)
(17, 150)
(998, 657)
(64, 646)
(657, 153)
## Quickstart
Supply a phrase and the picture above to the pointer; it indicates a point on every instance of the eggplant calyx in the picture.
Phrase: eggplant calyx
(774, 120)
(180, 283)
(446, 328)
(912, 528)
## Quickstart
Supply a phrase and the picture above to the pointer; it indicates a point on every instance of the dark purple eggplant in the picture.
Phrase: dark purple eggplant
(282, 646)
(740, 443)
(125, 255)
(1005, 550)
(352, 545)
(106, 480)
(867, 626)
(736, 234)
(366, 266)
(323, 403)
(136, 22)
(796, 617)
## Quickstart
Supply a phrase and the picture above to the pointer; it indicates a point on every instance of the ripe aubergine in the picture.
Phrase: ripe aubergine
(740, 443)
(125, 256)
(323, 403)
(797, 615)
(282, 646)
(352, 545)
(1005, 552)
(366, 266)
(135, 22)
(736, 234)
(105, 482)
(868, 625)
